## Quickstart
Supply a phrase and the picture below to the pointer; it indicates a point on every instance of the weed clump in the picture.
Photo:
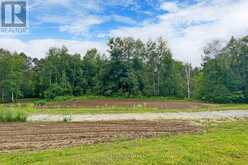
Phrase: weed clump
(12, 116)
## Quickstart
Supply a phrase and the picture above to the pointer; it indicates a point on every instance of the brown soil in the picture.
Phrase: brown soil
(29, 136)
(127, 103)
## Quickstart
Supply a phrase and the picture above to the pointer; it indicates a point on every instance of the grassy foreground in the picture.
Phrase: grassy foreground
(224, 143)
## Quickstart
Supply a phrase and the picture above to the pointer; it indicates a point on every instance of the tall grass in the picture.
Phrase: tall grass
(12, 116)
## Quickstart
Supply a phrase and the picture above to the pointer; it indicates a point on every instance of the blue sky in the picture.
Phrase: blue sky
(88, 19)
(188, 25)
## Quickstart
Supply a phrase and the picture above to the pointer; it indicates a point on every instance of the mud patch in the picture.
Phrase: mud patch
(29, 136)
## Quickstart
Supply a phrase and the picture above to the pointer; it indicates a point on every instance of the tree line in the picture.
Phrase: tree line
(132, 68)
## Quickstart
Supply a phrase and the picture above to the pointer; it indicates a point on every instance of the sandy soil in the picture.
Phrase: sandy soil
(30, 136)
(220, 115)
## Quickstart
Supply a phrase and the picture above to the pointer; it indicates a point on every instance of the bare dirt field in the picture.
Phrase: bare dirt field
(30, 136)
(127, 103)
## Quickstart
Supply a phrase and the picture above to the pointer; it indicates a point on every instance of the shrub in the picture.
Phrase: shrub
(12, 116)
(40, 102)
(62, 98)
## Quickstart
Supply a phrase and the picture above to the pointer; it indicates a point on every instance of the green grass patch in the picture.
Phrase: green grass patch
(74, 98)
(224, 143)
(12, 116)
(35, 108)
(232, 107)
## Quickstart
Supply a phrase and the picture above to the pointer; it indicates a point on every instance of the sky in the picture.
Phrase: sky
(187, 25)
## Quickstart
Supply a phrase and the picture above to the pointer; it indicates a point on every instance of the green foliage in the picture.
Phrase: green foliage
(15, 73)
(40, 102)
(224, 76)
(62, 98)
(136, 68)
(12, 116)
(133, 69)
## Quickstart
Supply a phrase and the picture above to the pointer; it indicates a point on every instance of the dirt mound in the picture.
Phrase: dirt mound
(127, 103)
(28, 136)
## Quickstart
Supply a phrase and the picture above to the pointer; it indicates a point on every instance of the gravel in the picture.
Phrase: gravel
(218, 115)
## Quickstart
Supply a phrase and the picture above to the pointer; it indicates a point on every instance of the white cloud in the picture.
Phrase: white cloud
(187, 27)
(71, 16)
(80, 26)
(190, 28)
(39, 48)
(55, 19)
(124, 3)
(61, 2)
(123, 19)
(169, 6)
(68, 4)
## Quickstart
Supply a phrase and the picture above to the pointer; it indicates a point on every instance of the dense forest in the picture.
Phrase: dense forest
(131, 68)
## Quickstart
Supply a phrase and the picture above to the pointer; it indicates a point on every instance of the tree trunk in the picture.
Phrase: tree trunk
(2, 96)
(154, 85)
(188, 77)
(158, 84)
(50, 79)
(12, 97)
